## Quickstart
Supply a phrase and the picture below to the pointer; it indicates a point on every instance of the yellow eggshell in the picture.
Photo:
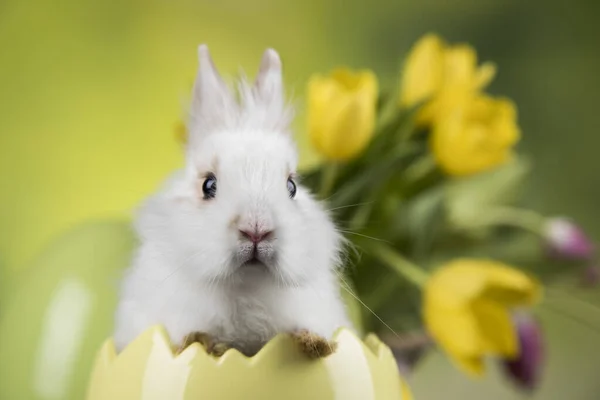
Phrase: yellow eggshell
(147, 369)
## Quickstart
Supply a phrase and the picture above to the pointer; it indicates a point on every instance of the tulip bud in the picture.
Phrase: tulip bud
(567, 240)
(478, 135)
(341, 113)
(442, 75)
(472, 298)
(526, 368)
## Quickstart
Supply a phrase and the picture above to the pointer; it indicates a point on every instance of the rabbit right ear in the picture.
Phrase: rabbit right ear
(213, 106)
(269, 82)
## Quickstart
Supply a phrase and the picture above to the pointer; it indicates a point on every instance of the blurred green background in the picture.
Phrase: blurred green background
(92, 91)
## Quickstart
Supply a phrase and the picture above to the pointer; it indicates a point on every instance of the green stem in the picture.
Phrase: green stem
(399, 264)
(520, 218)
(409, 128)
(328, 179)
(420, 169)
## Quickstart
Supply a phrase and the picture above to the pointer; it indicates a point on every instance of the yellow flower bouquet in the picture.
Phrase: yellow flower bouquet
(423, 179)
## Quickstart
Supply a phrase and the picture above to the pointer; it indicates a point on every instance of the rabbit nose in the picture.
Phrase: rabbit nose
(256, 236)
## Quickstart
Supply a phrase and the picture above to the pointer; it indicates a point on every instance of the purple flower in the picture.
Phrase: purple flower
(525, 370)
(567, 240)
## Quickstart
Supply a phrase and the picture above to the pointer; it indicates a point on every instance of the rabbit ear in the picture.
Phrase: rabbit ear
(269, 83)
(264, 105)
(213, 106)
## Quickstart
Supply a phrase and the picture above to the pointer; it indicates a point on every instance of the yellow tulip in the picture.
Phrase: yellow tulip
(341, 112)
(475, 136)
(467, 310)
(441, 76)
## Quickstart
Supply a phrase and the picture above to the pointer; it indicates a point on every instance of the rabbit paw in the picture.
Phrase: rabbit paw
(211, 346)
(313, 345)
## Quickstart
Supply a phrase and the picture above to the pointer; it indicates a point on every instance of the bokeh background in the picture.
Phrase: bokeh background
(91, 93)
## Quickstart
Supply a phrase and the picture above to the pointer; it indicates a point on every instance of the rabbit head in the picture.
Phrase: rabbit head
(237, 211)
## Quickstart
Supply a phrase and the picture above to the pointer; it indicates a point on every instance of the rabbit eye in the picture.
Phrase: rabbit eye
(291, 186)
(209, 187)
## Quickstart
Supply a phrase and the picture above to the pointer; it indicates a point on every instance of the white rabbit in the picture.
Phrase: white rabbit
(232, 247)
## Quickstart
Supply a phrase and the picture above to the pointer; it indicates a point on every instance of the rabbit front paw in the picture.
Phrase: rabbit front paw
(211, 346)
(313, 345)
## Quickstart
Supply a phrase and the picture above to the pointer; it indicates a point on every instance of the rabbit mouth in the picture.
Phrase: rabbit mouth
(254, 262)
(255, 257)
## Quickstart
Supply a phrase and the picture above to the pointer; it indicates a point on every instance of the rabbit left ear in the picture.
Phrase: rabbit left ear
(269, 83)
(213, 105)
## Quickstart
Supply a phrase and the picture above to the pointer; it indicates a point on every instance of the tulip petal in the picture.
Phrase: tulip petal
(483, 328)
(423, 71)
(496, 329)
(512, 288)
(321, 93)
(473, 366)
(464, 280)
(456, 330)
(485, 74)
(460, 66)
(350, 129)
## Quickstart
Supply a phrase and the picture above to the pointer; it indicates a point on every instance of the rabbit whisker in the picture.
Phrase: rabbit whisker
(363, 235)
(350, 205)
(347, 288)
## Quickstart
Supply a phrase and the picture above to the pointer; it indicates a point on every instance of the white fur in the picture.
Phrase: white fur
(187, 274)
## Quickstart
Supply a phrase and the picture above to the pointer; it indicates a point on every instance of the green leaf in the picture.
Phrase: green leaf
(426, 216)
(350, 188)
(466, 198)
(399, 125)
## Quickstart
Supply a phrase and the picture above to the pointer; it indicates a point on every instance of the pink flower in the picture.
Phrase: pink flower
(567, 240)
(525, 370)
